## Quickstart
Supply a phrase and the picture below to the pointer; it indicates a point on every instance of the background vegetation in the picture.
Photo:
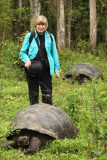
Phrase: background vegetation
(12, 26)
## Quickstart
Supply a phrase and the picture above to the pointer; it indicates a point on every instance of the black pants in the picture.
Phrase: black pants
(44, 80)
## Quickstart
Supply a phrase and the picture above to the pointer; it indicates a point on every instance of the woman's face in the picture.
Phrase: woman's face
(41, 28)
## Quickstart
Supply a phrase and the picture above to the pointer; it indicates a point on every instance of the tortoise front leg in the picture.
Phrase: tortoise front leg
(34, 145)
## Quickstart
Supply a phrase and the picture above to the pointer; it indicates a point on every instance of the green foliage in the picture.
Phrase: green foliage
(10, 60)
(83, 46)
(9, 15)
(6, 16)
(80, 20)
(86, 104)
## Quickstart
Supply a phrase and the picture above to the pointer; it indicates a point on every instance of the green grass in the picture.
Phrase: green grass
(86, 104)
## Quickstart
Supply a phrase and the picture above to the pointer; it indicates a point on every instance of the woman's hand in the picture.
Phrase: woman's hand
(28, 64)
(57, 75)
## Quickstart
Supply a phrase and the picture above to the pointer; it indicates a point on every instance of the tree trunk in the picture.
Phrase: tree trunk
(35, 9)
(68, 22)
(17, 27)
(20, 6)
(60, 25)
(93, 24)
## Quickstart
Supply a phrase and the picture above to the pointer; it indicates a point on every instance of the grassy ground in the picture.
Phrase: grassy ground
(86, 104)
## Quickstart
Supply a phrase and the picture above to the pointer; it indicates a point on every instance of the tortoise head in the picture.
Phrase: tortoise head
(23, 140)
(75, 131)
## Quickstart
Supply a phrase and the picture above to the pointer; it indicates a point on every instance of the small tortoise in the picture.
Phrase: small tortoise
(82, 71)
(35, 125)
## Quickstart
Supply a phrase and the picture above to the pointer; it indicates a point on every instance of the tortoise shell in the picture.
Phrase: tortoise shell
(45, 119)
(86, 69)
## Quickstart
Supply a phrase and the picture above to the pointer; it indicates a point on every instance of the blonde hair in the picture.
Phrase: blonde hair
(41, 19)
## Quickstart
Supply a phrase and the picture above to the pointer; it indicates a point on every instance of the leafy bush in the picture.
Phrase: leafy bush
(83, 46)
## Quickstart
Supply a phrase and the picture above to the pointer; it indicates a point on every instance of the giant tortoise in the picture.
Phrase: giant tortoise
(82, 71)
(33, 126)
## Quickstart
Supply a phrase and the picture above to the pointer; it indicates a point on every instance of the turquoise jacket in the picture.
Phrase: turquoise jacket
(33, 50)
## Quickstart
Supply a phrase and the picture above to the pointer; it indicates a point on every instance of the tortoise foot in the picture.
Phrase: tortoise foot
(31, 151)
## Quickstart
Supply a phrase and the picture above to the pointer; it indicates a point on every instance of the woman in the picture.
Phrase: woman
(43, 45)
